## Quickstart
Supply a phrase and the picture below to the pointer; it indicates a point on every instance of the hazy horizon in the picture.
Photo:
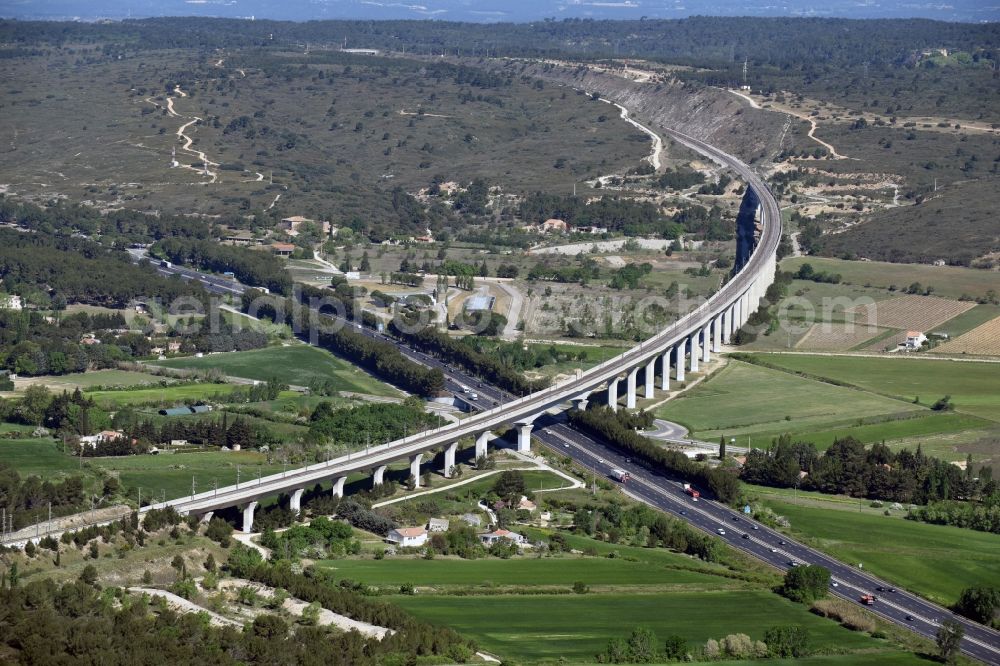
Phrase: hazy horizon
(487, 11)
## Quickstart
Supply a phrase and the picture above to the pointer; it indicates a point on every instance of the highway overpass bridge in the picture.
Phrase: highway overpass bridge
(681, 347)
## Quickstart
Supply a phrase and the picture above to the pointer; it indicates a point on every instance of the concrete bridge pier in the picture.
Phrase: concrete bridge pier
(248, 510)
(378, 477)
(613, 394)
(338, 486)
(693, 343)
(679, 359)
(580, 402)
(706, 342)
(415, 461)
(650, 378)
(207, 516)
(295, 501)
(481, 441)
(716, 332)
(630, 395)
(665, 360)
(524, 436)
(449, 459)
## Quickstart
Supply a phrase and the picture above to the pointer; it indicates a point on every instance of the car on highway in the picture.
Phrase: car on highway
(736, 519)
(909, 618)
(746, 536)
(683, 512)
(781, 543)
(756, 527)
(834, 583)
(774, 550)
(793, 563)
(721, 531)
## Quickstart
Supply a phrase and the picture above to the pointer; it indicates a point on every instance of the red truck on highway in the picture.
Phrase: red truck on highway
(690, 490)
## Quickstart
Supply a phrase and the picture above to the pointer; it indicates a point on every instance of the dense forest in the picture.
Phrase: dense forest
(76, 270)
(114, 227)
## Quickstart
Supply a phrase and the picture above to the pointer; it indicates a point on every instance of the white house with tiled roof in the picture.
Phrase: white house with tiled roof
(407, 537)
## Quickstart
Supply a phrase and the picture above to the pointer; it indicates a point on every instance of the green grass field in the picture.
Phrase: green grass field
(924, 425)
(936, 561)
(744, 399)
(85, 380)
(164, 395)
(165, 473)
(596, 571)
(948, 281)
(171, 474)
(972, 386)
(576, 627)
(40, 456)
(297, 365)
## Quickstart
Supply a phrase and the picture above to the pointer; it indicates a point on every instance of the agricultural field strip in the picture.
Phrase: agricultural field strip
(911, 312)
(984, 339)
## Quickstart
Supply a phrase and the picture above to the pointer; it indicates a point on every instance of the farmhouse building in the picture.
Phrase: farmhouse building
(438, 525)
(490, 538)
(914, 340)
(292, 225)
(407, 537)
(554, 225)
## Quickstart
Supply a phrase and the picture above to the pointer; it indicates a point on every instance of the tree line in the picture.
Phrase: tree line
(32, 343)
(374, 423)
(413, 638)
(806, 44)
(216, 432)
(618, 428)
(432, 341)
(28, 498)
(252, 267)
(877, 473)
(115, 227)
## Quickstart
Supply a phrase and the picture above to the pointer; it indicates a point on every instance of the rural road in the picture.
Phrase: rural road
(514, 314)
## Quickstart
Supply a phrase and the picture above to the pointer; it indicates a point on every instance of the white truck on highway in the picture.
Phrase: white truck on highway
(621, 475)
